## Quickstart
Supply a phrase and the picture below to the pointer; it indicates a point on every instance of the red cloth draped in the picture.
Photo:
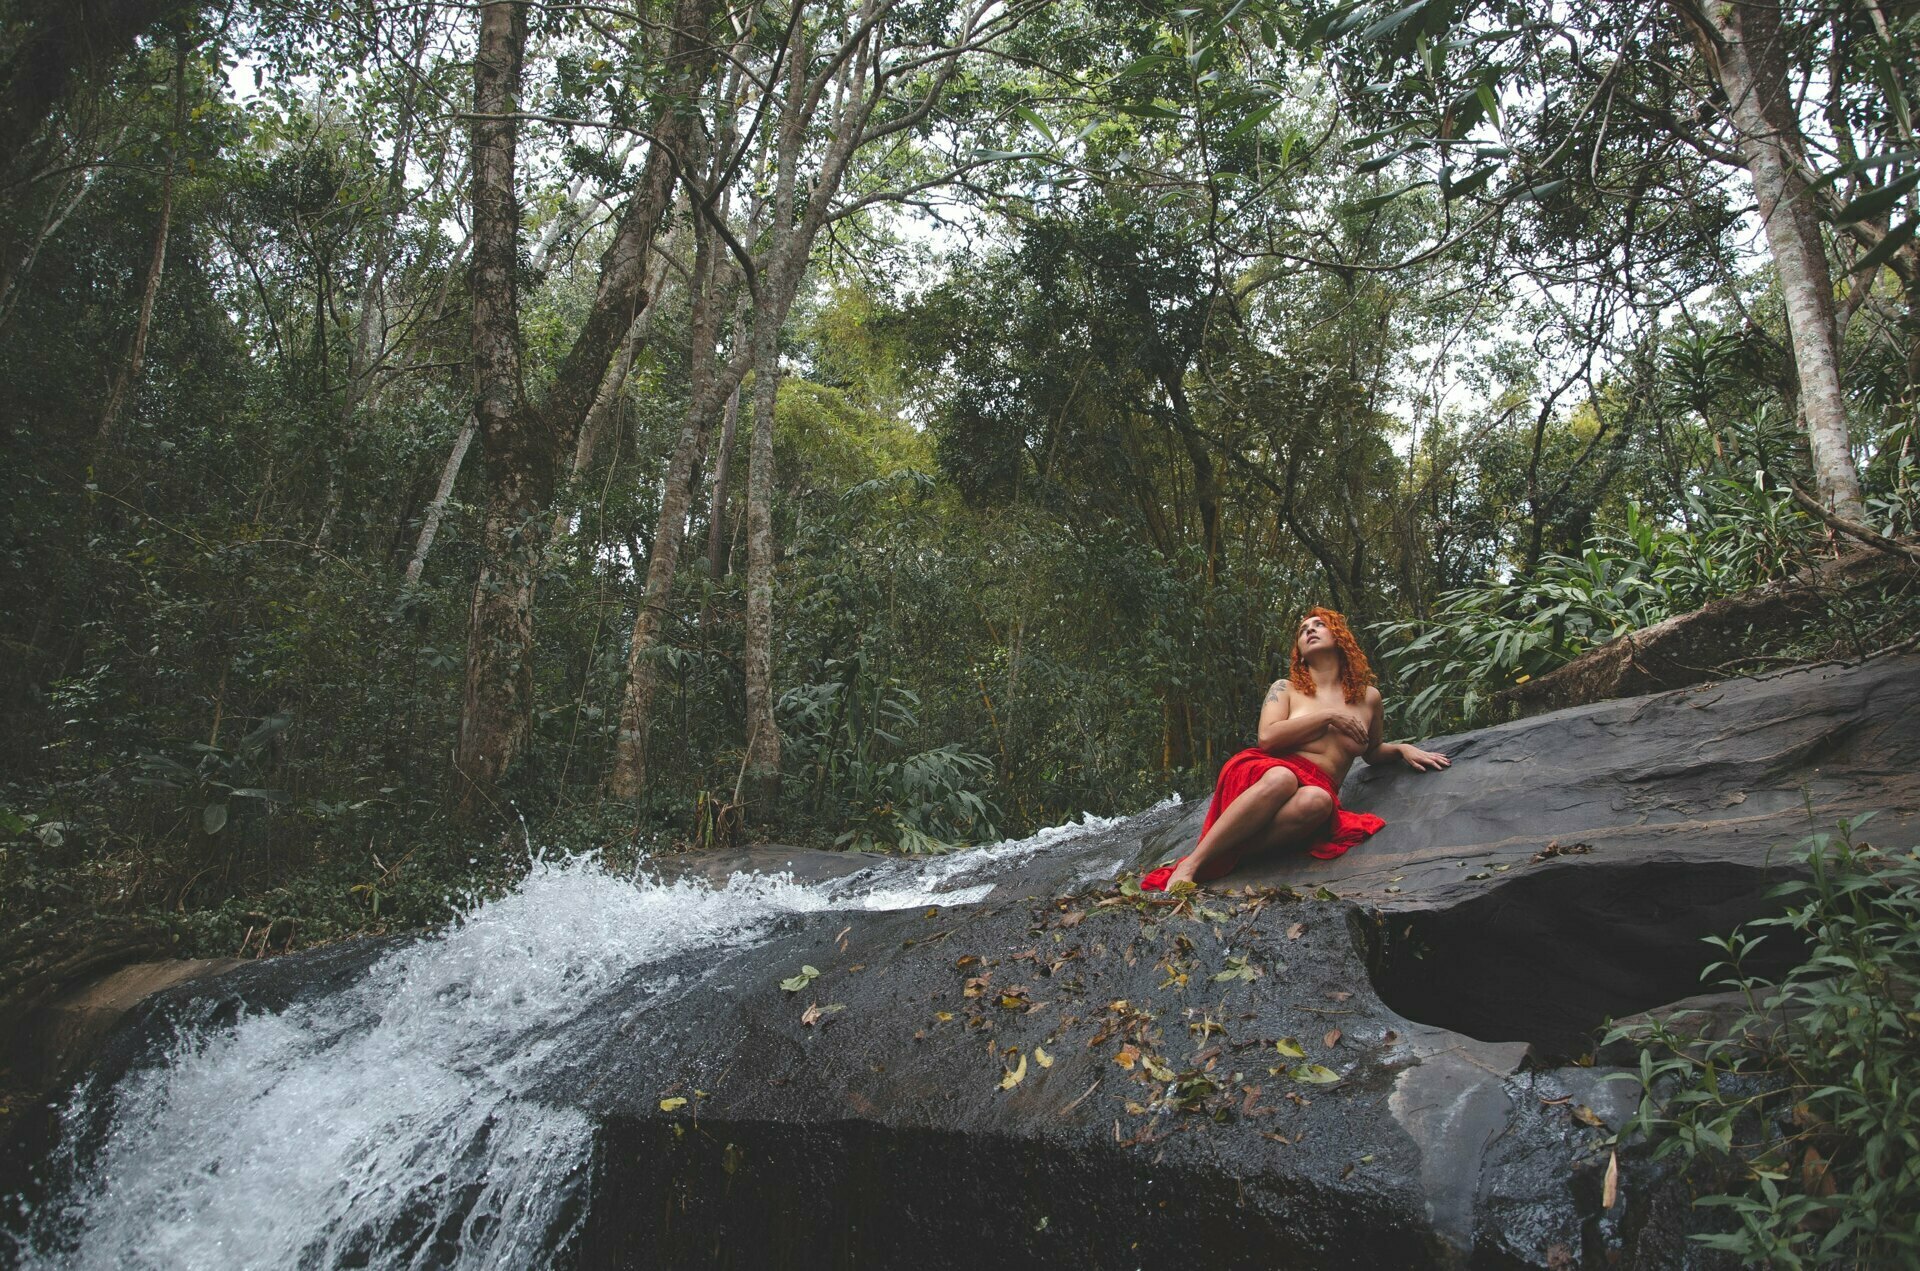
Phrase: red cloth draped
(1341, 830)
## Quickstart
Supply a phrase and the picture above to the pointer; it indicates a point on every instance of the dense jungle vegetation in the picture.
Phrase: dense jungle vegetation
(434, 429)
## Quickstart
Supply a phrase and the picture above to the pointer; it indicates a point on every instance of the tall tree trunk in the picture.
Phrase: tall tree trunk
(523, 443)
(761, 781)
(156, 265)
(629, 775)
(496, 710)
(1743, 43)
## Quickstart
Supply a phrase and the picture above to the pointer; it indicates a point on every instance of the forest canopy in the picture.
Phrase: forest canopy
(445, 428)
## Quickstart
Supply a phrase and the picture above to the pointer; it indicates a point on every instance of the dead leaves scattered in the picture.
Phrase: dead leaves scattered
(1556, 848)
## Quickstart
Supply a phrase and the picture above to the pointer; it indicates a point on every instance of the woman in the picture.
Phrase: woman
(1282, 793)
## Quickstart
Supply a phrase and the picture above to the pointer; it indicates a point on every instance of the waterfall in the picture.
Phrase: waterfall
(390, 1124)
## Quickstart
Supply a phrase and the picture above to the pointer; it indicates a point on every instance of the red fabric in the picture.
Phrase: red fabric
(1343, 828)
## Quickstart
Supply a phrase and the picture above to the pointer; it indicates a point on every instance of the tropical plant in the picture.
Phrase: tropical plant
(1803, 1111)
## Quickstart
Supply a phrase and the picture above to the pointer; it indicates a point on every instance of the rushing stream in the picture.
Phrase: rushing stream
(389, 1124)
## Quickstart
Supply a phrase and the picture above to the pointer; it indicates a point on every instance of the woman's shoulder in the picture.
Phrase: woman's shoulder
(1373, 696)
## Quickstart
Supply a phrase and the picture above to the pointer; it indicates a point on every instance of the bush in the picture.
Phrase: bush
(1806, 1111)
(1489, 637)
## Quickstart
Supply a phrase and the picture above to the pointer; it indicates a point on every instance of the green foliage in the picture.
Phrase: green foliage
(1805, 1106)
(844, 740)
(1482, 639)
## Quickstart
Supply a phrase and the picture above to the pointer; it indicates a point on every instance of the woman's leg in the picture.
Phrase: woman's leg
(1296, 822)
(1247, 817)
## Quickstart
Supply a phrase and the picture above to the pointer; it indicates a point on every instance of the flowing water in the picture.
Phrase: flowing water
(389, 1124)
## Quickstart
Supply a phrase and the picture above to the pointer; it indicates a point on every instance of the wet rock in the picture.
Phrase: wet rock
(1566, 867)
(1040, 1069)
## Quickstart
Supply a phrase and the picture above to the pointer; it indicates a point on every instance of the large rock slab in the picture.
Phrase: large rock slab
(1565, 868)
(1351, 1063)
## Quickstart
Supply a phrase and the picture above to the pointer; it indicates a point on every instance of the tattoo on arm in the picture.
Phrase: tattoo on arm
(1275, 693)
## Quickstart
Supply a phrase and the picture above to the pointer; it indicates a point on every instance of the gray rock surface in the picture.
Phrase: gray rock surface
(1059, 1075)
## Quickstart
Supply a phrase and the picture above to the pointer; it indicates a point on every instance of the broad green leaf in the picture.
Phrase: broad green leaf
(1392, 22)
(1876, 202)
(1896, 238)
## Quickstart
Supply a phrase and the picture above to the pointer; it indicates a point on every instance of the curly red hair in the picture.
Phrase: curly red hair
(1355, 674)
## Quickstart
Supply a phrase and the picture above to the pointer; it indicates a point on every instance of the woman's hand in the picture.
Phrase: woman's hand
(1424, 760)
(1349, 727)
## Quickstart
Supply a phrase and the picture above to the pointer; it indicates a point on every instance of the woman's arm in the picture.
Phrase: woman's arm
(1379, 751)
(1282, 730)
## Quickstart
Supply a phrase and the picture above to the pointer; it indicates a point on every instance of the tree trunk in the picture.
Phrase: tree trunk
(496, 709)
(437, 510)
(1745, 50)
(761, 781)
(156, 265)
(628, 778)
(717, 502)
(522, 443)
(605, 405)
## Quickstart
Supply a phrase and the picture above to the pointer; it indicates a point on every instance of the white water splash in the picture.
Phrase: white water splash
(387, 1125)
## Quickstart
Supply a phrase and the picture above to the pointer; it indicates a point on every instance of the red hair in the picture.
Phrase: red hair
(1355, 674)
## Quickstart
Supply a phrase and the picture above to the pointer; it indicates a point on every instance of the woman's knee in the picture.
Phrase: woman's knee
(1277, 786)
(1310, 804)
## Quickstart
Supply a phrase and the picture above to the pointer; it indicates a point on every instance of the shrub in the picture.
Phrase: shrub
(1806, 1110)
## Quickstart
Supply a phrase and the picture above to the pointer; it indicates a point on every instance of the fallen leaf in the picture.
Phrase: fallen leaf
(1322, 893)
(943, 1016)
(1501, 869)
(1127, 1056)
(1313, 1074)
(1610, 1189)
(794, 983)
(962, 964)
(1015, 1075)
(1587, 1116)
(1816, 1177)
(1338, 995)
(1332, 1039)
(1297, 930)
(810, 1016)
(672, 1105)
(1156, 1069)
(977, 985)
(1290, 1048)
(1073, 919)
(1042, 1058)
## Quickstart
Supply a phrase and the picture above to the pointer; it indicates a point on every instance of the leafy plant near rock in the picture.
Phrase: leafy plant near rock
(1736, 534)
(1805, 1111)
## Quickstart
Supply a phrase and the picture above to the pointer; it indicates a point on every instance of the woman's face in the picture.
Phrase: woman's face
(1314, 634)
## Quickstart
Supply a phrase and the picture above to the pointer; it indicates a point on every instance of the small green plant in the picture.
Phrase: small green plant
(1803, 1114)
